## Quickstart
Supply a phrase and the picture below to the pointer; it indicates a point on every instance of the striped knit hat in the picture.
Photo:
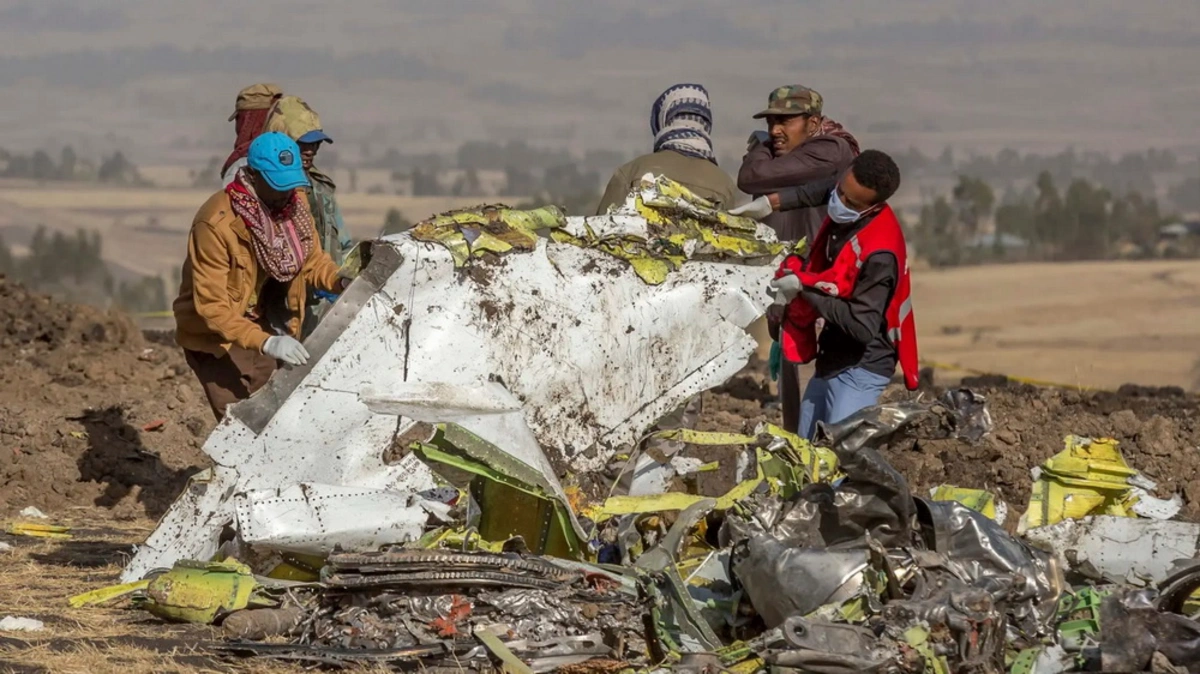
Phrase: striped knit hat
(681, 120)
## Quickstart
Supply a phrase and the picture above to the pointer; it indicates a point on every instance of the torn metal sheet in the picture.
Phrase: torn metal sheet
(317, 519)
(823, 647)
(970, 418)
(827, 637)
(979, 500)
(486, 410)
(594, 355)
(1091, 477)
(988, 557)
(782, 581)
(514, 499)
(1148, 505)
(1179, 592)
(1133, 630)
(869, 427)
(682, 226)
(1122, 549)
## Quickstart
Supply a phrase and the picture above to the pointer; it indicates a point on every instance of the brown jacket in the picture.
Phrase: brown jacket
(221, 278)
(698, 175)
(817, 158)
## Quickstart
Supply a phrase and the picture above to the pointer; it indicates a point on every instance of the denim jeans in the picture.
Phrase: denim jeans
(832, 399)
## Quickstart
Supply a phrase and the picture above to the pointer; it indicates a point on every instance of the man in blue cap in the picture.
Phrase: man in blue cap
(300, 122)
(253, 256)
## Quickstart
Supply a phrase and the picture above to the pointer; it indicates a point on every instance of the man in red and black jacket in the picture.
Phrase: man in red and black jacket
(856, 278)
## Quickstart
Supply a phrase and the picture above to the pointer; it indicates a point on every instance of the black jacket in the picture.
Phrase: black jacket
(855, 332)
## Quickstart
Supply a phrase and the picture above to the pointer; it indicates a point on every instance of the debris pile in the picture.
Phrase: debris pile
(819, 559)
(463, 476)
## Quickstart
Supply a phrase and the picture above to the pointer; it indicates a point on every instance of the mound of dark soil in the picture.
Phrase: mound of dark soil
(91, 414)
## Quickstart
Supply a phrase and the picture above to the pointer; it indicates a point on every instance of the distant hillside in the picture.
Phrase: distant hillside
(159, 78)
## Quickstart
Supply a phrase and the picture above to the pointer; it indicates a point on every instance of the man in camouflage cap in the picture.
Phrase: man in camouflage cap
(295, 118)
(792, 100)
(799, 146)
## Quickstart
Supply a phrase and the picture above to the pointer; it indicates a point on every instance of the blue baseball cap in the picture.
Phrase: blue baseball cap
(314, 136)
(277, 158)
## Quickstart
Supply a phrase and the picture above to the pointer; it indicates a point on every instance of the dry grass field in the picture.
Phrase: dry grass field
(1091, 324)
(40, 575)
(145, 230)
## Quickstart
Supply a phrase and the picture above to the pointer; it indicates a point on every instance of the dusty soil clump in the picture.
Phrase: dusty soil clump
(91, 412)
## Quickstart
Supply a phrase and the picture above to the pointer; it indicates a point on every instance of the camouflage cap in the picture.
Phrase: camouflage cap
(256, 97)
(293, 117)
(793, 99)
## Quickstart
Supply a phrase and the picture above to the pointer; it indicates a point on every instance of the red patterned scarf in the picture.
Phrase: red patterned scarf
(832, 128)
(281, 242)
(248, 125)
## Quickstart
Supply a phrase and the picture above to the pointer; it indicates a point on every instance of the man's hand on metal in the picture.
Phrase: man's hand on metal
(287, 349)
(757, 209)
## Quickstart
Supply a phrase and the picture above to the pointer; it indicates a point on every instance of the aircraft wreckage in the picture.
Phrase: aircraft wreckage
(398, 501)
(542, 335)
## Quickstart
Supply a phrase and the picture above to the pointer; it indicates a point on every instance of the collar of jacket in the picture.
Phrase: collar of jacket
(317, 176)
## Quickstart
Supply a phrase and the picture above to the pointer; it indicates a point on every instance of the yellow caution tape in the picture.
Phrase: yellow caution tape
(949, 367)
(38, 530)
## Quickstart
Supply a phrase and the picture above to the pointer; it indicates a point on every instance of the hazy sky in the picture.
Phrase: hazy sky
(159, 76)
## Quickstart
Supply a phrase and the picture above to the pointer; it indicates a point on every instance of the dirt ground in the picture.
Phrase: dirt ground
(82, 392)
(1158, 430)
(91, 413)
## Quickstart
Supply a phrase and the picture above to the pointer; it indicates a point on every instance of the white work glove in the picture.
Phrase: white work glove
(285, 348)
(757, 209)
(786, 288)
